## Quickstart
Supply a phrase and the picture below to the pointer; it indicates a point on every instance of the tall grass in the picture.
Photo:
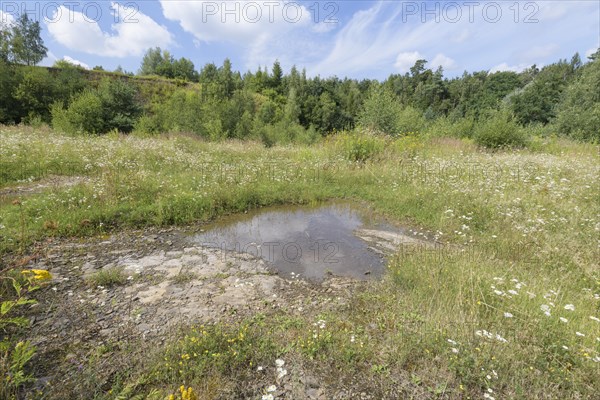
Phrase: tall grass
(508, 308)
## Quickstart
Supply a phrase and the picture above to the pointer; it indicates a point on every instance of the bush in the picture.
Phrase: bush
(285, 132)
(359, 147)
(35, 92)
(445, 127)
(113, 106)
(383, 113)
(579, 115)
(380, 113)
(409, 121)
(498, 131)
(85, 114)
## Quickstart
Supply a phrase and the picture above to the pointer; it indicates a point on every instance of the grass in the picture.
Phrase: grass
(510, 309)
(184, 276)
(107, 277)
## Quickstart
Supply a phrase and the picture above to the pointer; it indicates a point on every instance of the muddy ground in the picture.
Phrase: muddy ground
(168, 282)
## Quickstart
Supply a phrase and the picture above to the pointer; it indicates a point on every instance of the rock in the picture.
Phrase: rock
(311, 382)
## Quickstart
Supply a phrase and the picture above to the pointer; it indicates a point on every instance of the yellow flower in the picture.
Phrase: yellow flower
(38, 274)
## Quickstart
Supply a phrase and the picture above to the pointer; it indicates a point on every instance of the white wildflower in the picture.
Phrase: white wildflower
(508, 315)
(452, 342)
(501, 339)
(267, 397)
(563, 319)
(271, 389)
(546, 309)
(455, 350)
(281, 372)
(570, 307)
(580, 334)
(595, 319)
(279, 363)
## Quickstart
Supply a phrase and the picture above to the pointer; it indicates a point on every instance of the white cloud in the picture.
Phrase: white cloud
(266, 31)
(461, 37)
(440, 60)
(590, 52)
(548, 11)
(505, 67)
(128, 38)
(76, 62)
(6, 19)
(406, 60)
(539, 52)
(240, 21)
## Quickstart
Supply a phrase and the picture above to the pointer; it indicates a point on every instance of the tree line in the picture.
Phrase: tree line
(267, 104)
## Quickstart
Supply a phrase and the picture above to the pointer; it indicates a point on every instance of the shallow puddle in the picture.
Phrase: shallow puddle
(307, 242)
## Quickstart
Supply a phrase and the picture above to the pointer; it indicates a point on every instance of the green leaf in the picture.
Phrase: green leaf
(17, 287)
(23, 301)
(6, 307)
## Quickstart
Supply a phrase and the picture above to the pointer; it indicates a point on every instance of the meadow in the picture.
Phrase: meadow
(508, 308)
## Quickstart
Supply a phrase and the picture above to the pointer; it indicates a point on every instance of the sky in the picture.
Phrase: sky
(355, 39)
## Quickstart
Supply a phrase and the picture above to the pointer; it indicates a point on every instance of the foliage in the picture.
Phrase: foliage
(11, 109)
(14, 357)
(107, 277)
(275, 107)
(84, 115)
(25, 44)
(579, 113)
(499, 130)
(518, 216)
(36, 92)
(380, 112)
(161, 62)
(537, 101)
(359, 146)
(113, 106)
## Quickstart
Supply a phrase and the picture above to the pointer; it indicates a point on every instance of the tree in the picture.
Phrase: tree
(65, 64)
(113, 105)
(36, 92)
(151, 61)
(5, 41)
(27, 45)
(380, 112)
(277, 76)
(537, 101)
(11, 109)
(579, 114)
(184, 69)
(576, 62)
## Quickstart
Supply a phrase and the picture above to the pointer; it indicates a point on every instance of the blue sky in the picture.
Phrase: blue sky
(357, 39)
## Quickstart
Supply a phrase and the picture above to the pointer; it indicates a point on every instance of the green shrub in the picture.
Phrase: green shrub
(284, 132)
(445, 127)
(409, 121)
(35, 92)
(498, 131)
(108, 277)
(359, 147)
(120, 105)
(112, 106)
(84, 115)
(381, 112)
(579, 115)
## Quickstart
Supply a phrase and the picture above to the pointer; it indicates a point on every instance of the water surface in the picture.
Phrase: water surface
(306, 242)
